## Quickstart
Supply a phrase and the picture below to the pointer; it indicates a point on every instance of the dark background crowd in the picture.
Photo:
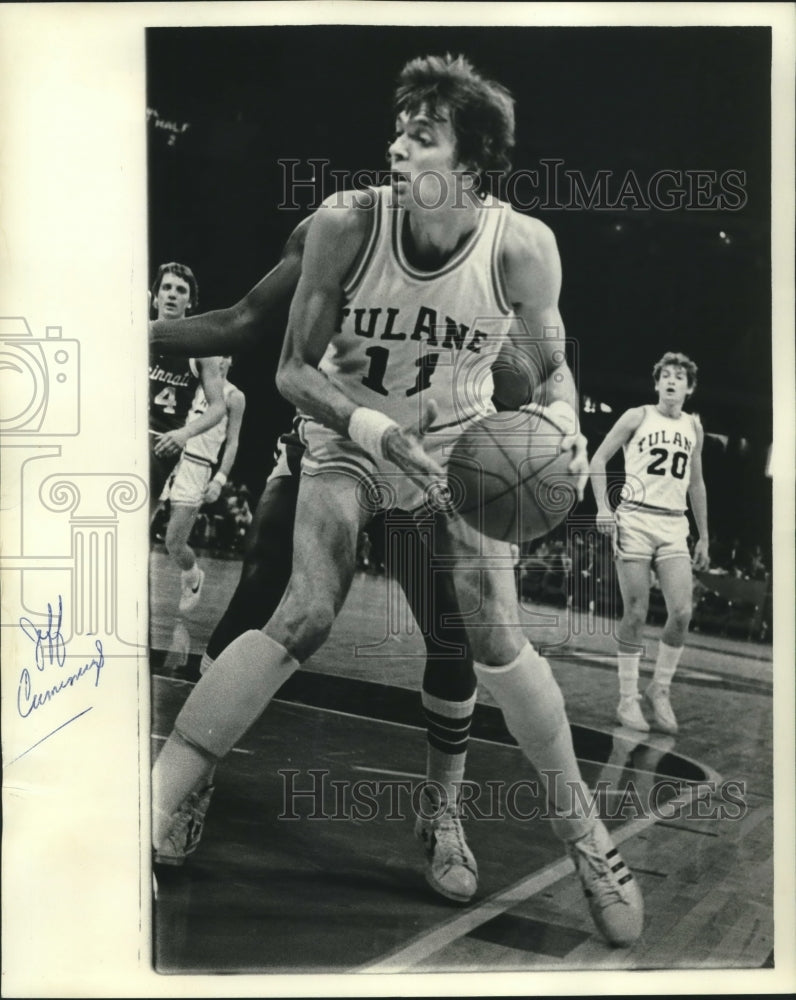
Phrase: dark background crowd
(628, 104)
(573, 568)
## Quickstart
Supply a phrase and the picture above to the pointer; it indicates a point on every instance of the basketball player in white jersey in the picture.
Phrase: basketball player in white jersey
(173, 382)
(407, 296)
(448, 689)
(194, 482)
(663, 467)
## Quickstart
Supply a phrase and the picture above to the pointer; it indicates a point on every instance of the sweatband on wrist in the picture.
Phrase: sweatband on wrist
(563, 412)
(220, 478)
(367, 428)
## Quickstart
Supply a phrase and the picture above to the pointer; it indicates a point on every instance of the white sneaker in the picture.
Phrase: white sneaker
(629, 714)
(186, 829)
(612, 892)
(189, 596)
(451, 868)
(658, 697)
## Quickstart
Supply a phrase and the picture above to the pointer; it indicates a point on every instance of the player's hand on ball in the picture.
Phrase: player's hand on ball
(404, 447)
(701, 559)
(566, 418)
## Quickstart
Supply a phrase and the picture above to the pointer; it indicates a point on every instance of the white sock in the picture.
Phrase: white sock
(533, 708)
(222, 706)
(228, 699)
(191, 576)
(628, 664)
(448, 731)
(445, 770)
(666, 663)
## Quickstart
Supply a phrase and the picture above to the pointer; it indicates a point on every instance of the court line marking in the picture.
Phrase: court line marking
(384, 770)
(425, 945)
(711, 774)
(451, 930)
(162, 739)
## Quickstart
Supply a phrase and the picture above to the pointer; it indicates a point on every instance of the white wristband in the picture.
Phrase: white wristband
(564, 415)
(367, 429)
(220, 478)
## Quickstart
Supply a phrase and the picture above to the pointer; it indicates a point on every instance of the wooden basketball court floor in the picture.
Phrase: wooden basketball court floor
(308, 862)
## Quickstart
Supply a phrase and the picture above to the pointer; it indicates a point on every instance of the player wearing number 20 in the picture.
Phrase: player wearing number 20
(173, 382)
(663, 466)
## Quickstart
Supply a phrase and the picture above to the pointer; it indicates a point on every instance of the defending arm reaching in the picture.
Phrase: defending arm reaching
(225, 331)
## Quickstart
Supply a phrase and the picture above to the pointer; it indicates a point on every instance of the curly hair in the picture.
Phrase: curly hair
(675, 359)
(481, 111)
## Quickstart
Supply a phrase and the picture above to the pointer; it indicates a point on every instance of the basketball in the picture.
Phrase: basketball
(508, 477)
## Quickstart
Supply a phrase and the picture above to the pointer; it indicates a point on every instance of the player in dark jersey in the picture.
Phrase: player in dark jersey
(449, 683)
(173, 381)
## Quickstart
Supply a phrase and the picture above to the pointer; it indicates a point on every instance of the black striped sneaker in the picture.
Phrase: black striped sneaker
(613, 895)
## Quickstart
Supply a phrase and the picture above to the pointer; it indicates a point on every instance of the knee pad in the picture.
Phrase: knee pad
(228, 699)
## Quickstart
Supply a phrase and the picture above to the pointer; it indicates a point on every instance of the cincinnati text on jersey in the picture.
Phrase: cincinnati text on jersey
(158, 374)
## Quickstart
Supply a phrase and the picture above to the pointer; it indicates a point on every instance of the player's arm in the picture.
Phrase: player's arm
(213, 385)
(531, 269)
(333, 242)
(225, 331)
(618, 436)
(698, 496)
(235, 411)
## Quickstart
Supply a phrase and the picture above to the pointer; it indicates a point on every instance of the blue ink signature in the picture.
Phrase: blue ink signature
(55, 648)
(50, 652)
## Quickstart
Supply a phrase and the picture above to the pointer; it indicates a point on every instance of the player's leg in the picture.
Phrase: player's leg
(676, 582)
(160, 468)
(449, 681)
(186, 491)
(448, 698)
(264, 575)
(181, 522)
(266, 565)
(634, 586)
(229, 698)
(523, 685)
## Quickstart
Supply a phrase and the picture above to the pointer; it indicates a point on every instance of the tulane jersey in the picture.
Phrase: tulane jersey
(205, 447)
(172, 386)
(658, 462)
(406, 335)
